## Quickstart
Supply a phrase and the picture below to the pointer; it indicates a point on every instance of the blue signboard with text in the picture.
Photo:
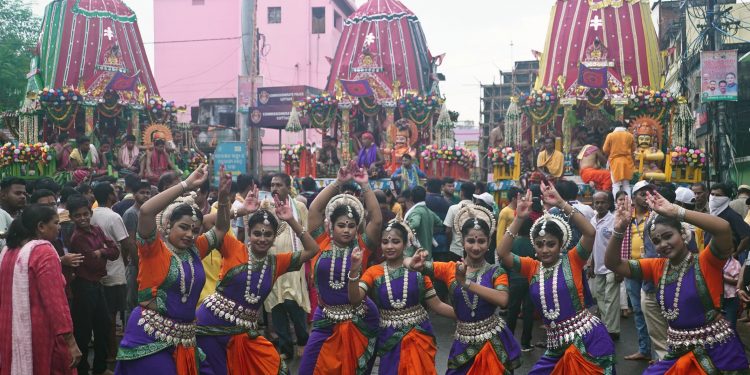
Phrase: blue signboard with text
(233, 155)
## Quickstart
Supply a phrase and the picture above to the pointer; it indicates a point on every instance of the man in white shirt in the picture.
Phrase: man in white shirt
(457, 246)
(606, 283)
(114, 283)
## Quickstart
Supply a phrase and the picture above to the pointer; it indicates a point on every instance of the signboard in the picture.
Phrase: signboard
(272, 116)
(245, 93)
(719, 76)
(233, 155)
(284, 95)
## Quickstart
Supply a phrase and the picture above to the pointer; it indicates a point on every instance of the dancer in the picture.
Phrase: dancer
(228, 319)
(343, 337)
(406, 344)
(577, 341)
(37, 336)
(160, 334)
(690, 287)
(483, 343)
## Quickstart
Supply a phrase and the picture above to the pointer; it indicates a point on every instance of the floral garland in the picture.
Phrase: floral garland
(417, 108)
(110, 105)
(61, 105)
(655, 103)
(502, 156)
(540, 104)
(196, 161)
(688, 157)
(25, 154)
(159, 110)
(449, 154)
(321, 109)
(291, 154)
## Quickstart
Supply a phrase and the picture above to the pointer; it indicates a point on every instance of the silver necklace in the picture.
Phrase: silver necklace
(250, 297)
(338, 284)
(554, 313)
(396, 304)
(184, 291)
(472, 305)
(674, 313)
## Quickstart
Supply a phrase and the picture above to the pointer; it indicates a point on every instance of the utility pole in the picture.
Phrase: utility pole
(718, 111)
(249, 71)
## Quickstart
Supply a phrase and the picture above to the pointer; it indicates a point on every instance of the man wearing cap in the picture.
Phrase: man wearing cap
(634, 247)
(370, 156)
(739, 204)
(422, 221)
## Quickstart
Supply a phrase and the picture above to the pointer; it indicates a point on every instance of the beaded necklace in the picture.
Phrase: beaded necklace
(554, 313)
(184, 291)
(472, 305)
(396, 303)
(251, 297)
(335, 253)
(674, 313)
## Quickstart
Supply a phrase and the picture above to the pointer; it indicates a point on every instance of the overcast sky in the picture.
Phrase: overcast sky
(475, 35)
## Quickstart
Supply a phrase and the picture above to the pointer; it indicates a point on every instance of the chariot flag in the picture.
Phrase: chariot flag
(121, 82)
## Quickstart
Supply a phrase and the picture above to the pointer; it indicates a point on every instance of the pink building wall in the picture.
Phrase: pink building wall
(190, 70)
(290, 54)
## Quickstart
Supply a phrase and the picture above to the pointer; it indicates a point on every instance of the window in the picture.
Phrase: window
(198, 2)
(337, 21)
(318, 20)
(274, 15)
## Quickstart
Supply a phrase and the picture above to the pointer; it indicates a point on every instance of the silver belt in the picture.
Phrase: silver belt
(340, 313)
(563, 333)
(404, 317)
(165, 329)
(231, 311)
(717, 332)
(478, 332)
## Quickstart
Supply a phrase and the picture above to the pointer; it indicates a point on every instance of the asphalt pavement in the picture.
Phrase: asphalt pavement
(444, 329)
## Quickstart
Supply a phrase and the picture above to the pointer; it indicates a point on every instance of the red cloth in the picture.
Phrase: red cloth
(85, 243)
(601, 178)
(50, 315)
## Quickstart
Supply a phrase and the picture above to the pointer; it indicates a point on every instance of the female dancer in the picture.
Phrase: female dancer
(160, 335)
(690, 287)
(577, 342)
(343, 337)
(406, 342)
(228, 318)
(37, 335)
(483, 344)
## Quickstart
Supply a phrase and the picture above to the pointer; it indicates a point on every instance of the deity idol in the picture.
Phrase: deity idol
(406, 133)
(648, 133)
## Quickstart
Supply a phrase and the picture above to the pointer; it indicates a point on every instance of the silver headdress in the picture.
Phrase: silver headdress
(411, 239)
(351, 203)
(163, 218)
(557, 220)
(475, 213)
(266, 209)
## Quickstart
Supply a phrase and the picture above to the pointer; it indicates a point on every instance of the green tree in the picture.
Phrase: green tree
(19, 31)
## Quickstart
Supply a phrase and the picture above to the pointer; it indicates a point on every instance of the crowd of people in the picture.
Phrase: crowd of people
(172, 276)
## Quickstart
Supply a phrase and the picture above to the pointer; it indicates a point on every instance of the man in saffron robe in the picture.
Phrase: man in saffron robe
(157, 162)
(590, 161)
(620, 146)
(370, 156)
(550, 161)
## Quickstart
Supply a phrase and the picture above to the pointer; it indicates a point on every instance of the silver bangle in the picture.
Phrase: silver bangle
(511, 234)
(184, 186)
(681, 213)
(354, 279)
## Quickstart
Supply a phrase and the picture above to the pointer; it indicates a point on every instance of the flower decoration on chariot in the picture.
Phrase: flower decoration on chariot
(163, 218)
(561, 223)
(646, 130)
(411, 240)
(473, 213)
(352, 205)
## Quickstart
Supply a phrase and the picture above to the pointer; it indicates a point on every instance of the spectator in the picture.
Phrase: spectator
(718, 204)
(13, 195)
(88, 193)
(167, 180)
(508, 213)
(407, 175)
(309, 190)
(132, 182)
(37, 335)
(422, 221)
(449, 190)
(569, 192)
(739, 204)
(606, 283)
(520, 298)
(454, 238)
(89, 311)
(141, 194)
